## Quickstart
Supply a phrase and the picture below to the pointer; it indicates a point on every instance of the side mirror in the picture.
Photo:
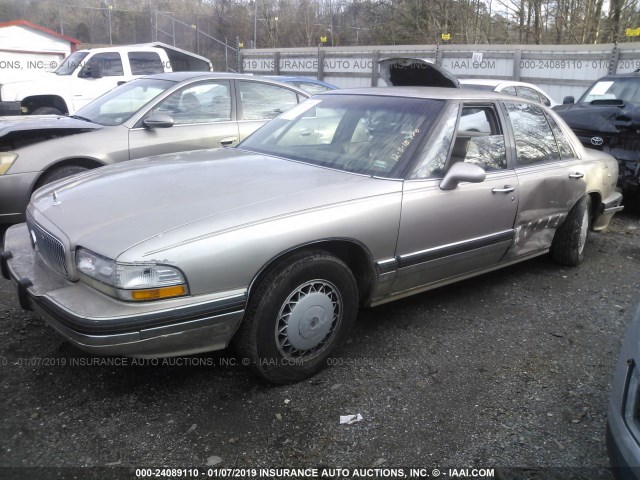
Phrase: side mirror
(462, 172)
(158, 120)
(92, 70)
(568, 100)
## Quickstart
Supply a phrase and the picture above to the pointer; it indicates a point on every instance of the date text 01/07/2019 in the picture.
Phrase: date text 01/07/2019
(372, 472)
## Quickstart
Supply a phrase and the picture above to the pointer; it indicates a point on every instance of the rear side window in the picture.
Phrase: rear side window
(566, 150)
(535, 142)
(529, 94)
(145, 63)
(261, 101)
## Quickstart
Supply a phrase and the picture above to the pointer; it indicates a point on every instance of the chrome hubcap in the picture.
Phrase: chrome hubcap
(584, 230)
(308, 319)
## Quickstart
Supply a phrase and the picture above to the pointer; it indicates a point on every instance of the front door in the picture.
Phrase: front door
(448, 233)
(203, 116)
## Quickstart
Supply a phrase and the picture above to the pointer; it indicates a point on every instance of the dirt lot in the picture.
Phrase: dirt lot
(509, 370)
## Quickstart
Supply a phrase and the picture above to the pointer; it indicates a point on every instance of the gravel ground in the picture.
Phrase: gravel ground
(510, 370)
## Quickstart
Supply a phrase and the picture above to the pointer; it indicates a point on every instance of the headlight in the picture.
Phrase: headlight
(6, 160)
(140, 281)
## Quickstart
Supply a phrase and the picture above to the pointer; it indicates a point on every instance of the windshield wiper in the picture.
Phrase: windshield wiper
(78, 117)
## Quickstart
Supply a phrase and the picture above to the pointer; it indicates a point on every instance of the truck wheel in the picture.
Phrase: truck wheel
(46, 111)
(298, 316)
(58, 173)
(570, 239)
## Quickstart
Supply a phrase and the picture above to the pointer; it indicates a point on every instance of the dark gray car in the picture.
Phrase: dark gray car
(623, 420)
(153, 115)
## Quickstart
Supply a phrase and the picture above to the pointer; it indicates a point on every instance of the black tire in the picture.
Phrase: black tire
(46, 111)
(292, 355)
(570, 238)
(59, 172)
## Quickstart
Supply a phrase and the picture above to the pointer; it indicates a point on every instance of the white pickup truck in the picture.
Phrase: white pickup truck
(86, 74)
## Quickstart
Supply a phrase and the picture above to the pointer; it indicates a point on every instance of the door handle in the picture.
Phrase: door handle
(225, 142)
(576, 175)
(506, 189)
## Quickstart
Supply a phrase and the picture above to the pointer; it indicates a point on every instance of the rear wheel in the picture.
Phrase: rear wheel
(300, 313)
(571, 237)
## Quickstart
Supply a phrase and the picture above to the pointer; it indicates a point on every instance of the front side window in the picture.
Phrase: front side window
(261, 101)
(118, 105)
(479, 139)
(371, 135)
(201, 103)
(311, 87)
(535, 142)
(108, 64)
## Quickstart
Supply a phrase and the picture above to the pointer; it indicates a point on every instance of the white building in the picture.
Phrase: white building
(26, 47)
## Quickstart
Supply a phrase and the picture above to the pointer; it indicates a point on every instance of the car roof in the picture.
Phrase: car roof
(291, 78)
(443, 93)
(495, 83)
(180, 76)
(482, 81)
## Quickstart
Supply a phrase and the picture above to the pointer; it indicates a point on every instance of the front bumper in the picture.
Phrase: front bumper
(10, 108)
(103, 325)
(15, 192)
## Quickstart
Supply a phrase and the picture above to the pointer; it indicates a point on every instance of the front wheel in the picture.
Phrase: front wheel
(58, 173)
(571, 237)
(46, 111)
(300, 313)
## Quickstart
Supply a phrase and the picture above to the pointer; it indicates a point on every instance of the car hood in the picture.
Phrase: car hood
(114, 208)
(30, 129)
(603, 117)
(415, 72)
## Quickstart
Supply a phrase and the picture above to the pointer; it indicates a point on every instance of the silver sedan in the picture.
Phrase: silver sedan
(157, 114)
(350, 199)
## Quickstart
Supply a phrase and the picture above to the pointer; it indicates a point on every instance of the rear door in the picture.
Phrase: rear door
(551, 176)
(447, 233)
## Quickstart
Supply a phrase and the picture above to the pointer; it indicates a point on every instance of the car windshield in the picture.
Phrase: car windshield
(69, 64)
(118, 105)
(371, 135)
(625, 89)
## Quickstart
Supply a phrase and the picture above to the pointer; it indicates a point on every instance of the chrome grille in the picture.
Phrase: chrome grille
(50, 248)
